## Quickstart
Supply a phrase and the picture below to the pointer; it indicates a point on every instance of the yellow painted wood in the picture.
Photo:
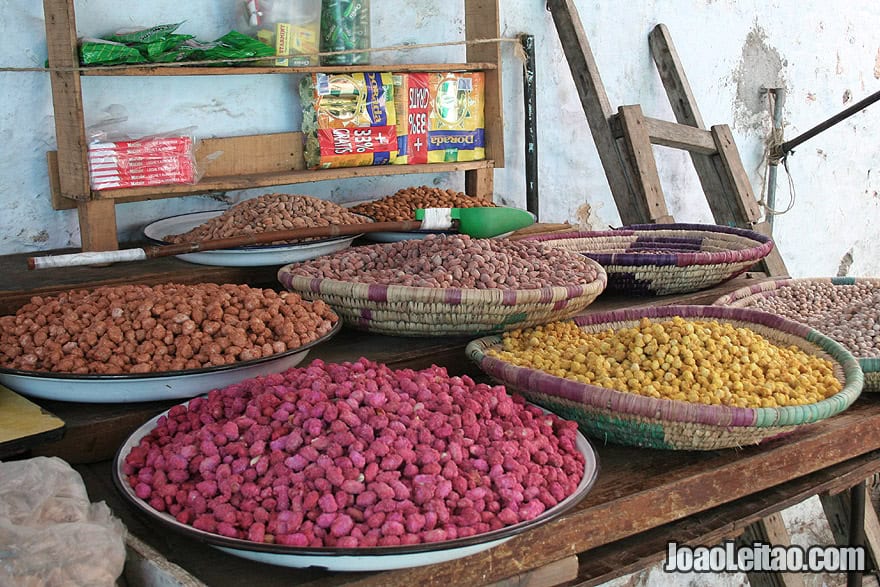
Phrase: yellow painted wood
(20, 418)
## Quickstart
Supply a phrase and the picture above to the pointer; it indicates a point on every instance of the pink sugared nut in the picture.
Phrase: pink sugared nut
(355, 455)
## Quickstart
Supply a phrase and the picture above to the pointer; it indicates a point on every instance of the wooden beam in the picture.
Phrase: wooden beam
(555, 573)
(482, 21)
(769, 530)
(480, 183)
(597, 107)
(736, 175)
(641, 158)
(684, 107)
(837, 510)
(70, 131)
(97, 225)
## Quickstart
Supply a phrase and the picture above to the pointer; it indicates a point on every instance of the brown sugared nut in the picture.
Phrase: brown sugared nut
(72, 332)
(403, 204)
(267, 213)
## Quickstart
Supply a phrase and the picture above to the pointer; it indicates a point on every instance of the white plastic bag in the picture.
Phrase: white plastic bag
(50, 534)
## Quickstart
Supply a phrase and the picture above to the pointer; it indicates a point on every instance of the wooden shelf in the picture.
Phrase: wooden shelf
(236, 163)
(146, 70)
(252, 161)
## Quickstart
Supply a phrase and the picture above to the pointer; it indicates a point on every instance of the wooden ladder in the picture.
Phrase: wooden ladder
(624, 139)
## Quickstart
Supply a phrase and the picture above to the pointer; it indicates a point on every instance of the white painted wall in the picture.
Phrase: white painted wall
(823, 54)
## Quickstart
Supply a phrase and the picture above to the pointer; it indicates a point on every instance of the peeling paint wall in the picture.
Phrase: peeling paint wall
(825, 56)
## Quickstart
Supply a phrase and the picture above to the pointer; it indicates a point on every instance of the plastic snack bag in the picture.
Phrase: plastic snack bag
(349, 120)
(50, 533)
(412, 100)
(441, 117)
(118, 161)
(456, 123)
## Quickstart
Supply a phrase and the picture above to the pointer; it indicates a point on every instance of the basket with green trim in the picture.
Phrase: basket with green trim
(843, 308)
(623, 417)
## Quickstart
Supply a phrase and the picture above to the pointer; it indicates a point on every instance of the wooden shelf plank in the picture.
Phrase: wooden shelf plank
(184, 70)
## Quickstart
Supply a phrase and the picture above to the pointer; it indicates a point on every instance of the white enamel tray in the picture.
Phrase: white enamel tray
(166, 385)
(354, 559)
(252, 256)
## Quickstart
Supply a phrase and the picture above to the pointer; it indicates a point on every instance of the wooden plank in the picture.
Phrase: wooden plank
(97, 225)
(482, 21)
(223, 183)
(185, 70)
(146, 567)
(550, 574)
(736, 174)
(680, 136)
(596, 105)
(773, 263)
(684, 107)
(480, 183)
(769, 530)
(644, 167)
(837, 511)
(252, 154)
(24, 424)
(725, 522)
(70, 132)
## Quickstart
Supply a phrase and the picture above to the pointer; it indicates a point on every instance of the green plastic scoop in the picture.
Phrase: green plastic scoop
(475, 222)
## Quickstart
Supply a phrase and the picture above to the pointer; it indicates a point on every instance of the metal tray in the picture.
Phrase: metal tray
(163, 385)
(353, 559)
(252, 256)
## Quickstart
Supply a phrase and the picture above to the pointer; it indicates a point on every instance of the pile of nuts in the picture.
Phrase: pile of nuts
(269, 212)
(403, 204)
(850, 314)
(355, 455)
(698, 361)
(169, 327)
(458, 261)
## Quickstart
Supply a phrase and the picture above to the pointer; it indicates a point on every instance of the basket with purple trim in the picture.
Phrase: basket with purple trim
(660, 259)
(371, 298)
(628, 418)
(844, 308)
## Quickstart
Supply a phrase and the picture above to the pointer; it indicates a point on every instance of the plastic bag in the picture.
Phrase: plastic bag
(348, 120)
(119, 161)
(440, 117)
(50, 534)
(160, 44)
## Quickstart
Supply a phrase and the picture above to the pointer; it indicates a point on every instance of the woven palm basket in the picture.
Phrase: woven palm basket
(749, 296)
(424, 311)
(660, 259)
(631, 419)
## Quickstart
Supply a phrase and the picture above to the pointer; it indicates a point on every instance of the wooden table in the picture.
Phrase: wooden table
(642, 499)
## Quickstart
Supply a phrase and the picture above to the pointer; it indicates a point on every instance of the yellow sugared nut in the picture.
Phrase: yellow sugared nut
(692, 360)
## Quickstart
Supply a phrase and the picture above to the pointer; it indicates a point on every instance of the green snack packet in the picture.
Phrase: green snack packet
(144, 35)
(102, 52)
(154, 50)
(235, 45)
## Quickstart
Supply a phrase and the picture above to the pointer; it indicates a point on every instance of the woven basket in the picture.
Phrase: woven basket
(628, 418)
(748, 296)
(660, 259)
(424, 311)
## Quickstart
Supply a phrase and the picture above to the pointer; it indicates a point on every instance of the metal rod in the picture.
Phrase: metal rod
(778, 97)
(531, 123)
(789, 146)
(856, 528)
